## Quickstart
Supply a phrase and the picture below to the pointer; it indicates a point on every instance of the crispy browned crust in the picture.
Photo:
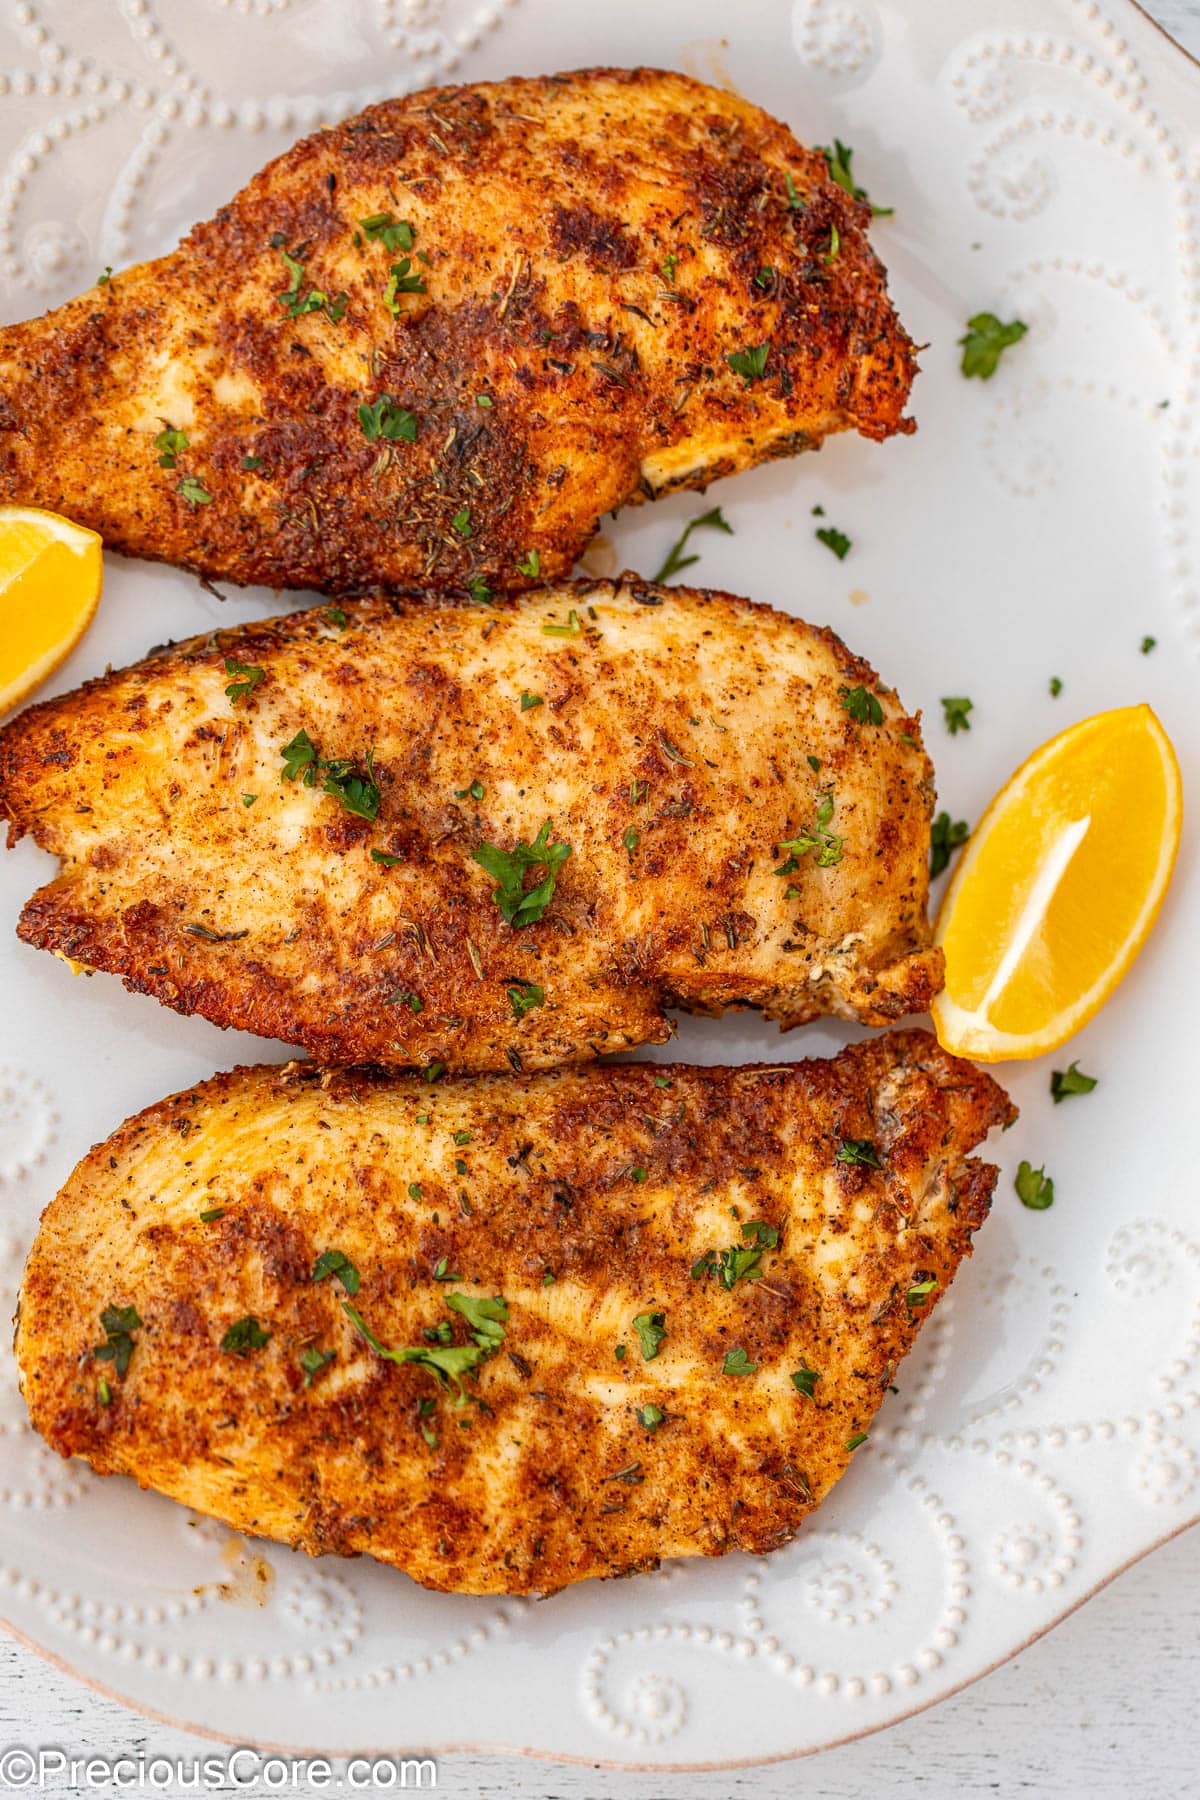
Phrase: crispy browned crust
(547, 209)
(606, 1179)
(276, 917)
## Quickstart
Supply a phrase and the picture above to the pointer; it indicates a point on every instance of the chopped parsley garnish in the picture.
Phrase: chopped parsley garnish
(484, 400)
(336, 1262)
(825, 844)
(405, 997)
(170, 443)
(384, 419)
(985, 342)
(945, 836)
(119, 1324)
(248, 676)
(401, 281)
(862, 705)
(193, 490)
(474, 791)
(955, 708)
(249, 799)
(312, 1361)
(571, 629)
(804, 1380)
(620, 1353)
(524, 996)
(1068, 1081)
(334, 615)
(103, 281)
(920, 1291)
(651, 1328)
(860, 1437)
(447, 1362)
(210, 1213)
(442, 1272)
(1147, 645)
(765, 276)
(103, 1392)
(298, 304)
(507, 868)
(858, 1151)
(386, 858)
(814, 763)
(529, 701)
(741, 1262)
(751, 363)
(834, 540)
(669, 266)
(835, 244)
(713, 520)
(479, 591)
(530, 564)
(795, 203)
(433, 1072)
(243, 1336)
(663, 1081)
(1035, 1189)
(356, 789)
(650, 1416)
(486, 1317)
(738, 1363)
(393, 233)
(462, 522)
(838, 160)
(1055, 687)
(630, 837)
(252, 462)
(414, 1190)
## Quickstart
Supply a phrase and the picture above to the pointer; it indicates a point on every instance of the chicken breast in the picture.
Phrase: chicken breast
(434, 343)
(509, 1333)
(483, 837)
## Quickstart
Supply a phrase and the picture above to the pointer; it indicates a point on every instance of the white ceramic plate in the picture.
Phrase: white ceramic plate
(1047, 1429)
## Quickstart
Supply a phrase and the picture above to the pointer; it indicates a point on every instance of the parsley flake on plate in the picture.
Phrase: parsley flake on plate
(738, 1363)
(920, 1291)
(650, 1416)
(804, 1381)
(1035, 1189)
(1068, 1081)
(955, 708)
(985, 341)
(340, 776)
(834, 540)
(713, 520)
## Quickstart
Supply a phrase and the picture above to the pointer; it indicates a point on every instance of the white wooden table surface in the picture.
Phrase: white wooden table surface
(1107, 1707)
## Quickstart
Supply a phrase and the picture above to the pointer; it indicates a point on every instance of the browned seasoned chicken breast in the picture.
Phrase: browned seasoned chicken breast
(513, 1332)
(434, 343)
(488, 837)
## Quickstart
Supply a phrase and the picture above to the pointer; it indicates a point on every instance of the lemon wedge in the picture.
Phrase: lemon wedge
(50, 577)
(1058, 887)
